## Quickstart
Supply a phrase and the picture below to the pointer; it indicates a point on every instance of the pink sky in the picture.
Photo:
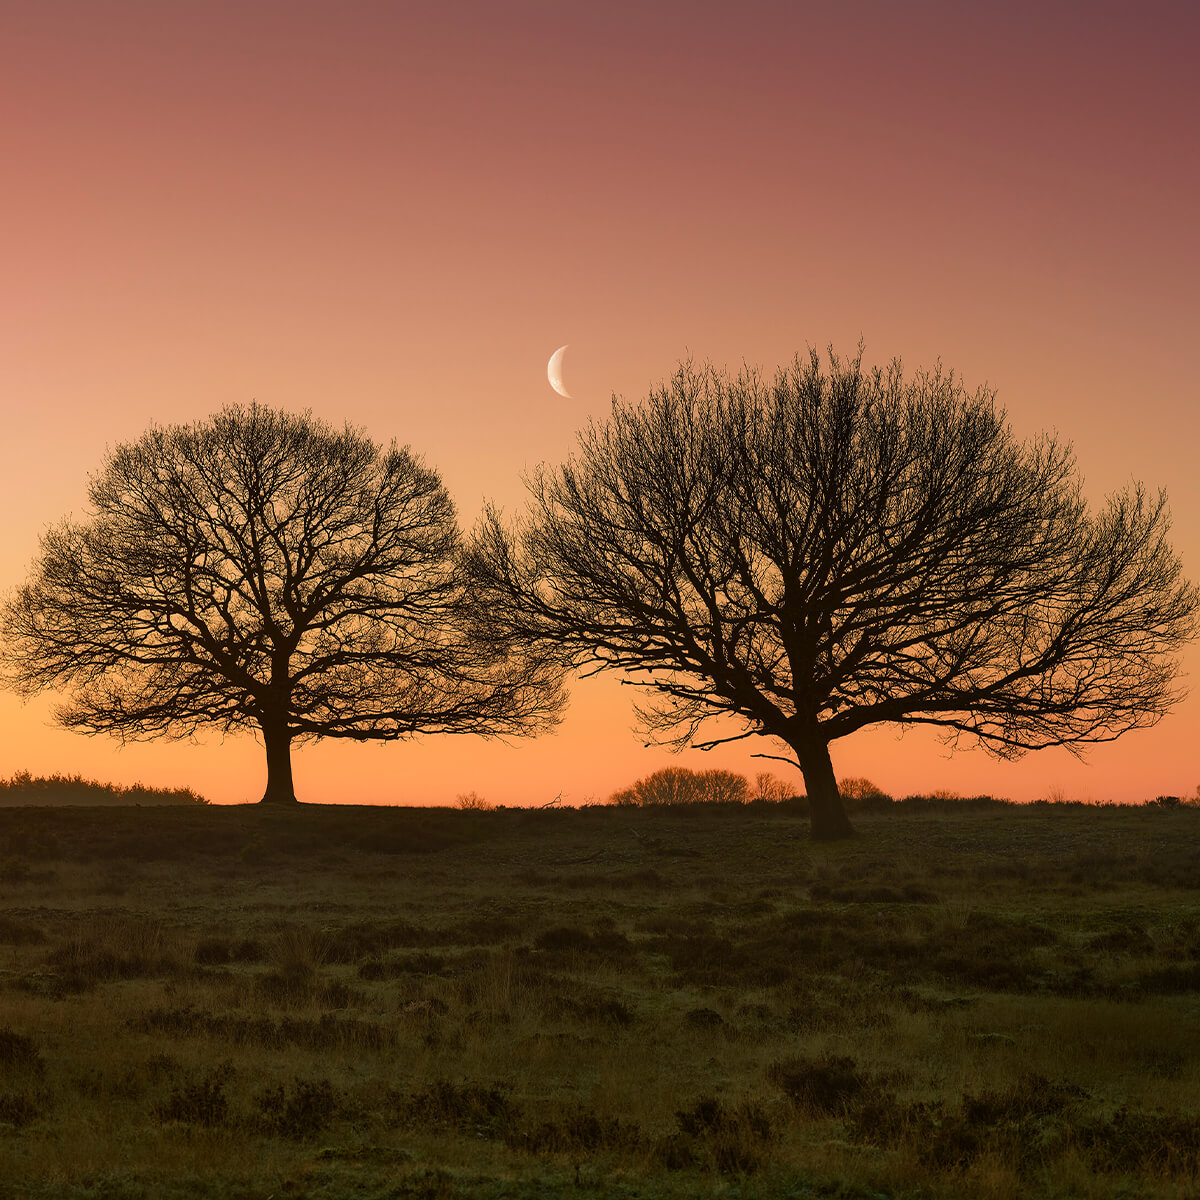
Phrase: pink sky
(393, 215)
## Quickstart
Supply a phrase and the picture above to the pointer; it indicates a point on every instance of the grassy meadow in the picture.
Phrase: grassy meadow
(984, 1001)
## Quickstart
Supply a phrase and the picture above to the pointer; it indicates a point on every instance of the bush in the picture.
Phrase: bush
(299, 1112)
(471, 802)
(716, 1137)
(481, 1109)
(682, 786)
(16, 1109)
(826, 1086)
(579, 1133)
(1140, 1142)
(861, 795)
(599, 945)
(18, 1052)
(199, 1102)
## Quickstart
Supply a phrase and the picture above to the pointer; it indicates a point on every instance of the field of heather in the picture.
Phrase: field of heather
(984, 1001)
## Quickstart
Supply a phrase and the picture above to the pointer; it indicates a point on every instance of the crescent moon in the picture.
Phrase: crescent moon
(554, 372)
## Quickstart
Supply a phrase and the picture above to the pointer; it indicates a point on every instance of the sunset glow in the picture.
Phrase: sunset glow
(391, 216)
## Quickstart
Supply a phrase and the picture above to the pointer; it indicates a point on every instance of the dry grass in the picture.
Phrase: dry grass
(617, 1002)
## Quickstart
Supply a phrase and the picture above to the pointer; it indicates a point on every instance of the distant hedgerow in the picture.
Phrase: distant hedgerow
(26, 789)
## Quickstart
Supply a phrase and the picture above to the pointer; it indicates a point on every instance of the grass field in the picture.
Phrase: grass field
(339, 1001)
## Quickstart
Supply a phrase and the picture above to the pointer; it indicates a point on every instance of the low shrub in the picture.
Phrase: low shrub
(598, 945)
(472, 802)
(327, 1032)
(1175, 979)
(17, 1109)
(716, 1137)
(18, 1052)
(578, 1133)
(1138, 1142)
(299, 984)
(199, 1101)
(826, 1086)
(219, 952)
(703, 1018)
(395, 966)
(588, 1007)
(299, 1111)
(1023, 1125)
(486, 1110)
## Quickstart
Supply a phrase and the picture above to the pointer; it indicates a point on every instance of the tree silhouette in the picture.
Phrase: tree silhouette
(263, 569)
(838, 547)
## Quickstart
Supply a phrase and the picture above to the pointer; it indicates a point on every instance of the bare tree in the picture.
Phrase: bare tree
(837, 547)
(770, 789)
(263, 569)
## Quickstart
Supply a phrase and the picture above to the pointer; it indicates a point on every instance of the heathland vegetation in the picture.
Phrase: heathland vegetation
(969, 999)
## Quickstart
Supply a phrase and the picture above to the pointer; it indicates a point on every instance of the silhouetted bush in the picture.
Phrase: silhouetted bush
(472, 802)
(26, 789)
(673, 786)
(1167, 801)
(860, 795)
(948, 801)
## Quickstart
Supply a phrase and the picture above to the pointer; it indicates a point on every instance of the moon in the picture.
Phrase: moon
(554, 372)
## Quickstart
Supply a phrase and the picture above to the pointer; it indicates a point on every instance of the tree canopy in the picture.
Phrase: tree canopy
(836, 547)
(262, 569)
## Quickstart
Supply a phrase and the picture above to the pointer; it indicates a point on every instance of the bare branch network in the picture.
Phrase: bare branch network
(263, 569)
(837, 547)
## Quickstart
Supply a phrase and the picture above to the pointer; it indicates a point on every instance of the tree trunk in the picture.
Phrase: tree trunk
(829, 820)
(278, 740)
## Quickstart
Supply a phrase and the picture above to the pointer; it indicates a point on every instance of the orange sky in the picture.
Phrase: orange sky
(392, 214)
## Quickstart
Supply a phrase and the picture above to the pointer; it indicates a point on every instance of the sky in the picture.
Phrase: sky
(392, 213)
